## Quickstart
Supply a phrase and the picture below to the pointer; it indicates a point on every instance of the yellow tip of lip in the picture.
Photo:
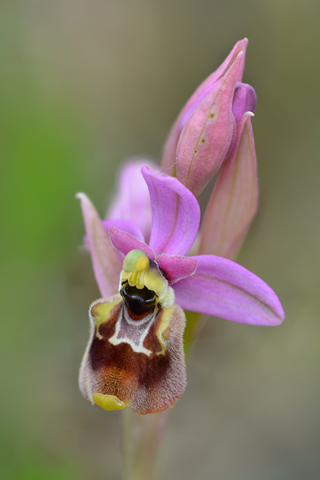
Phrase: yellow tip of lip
(108, 402)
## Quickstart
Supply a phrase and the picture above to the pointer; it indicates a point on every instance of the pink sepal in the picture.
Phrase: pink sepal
(175, 214)
(106, 263)
(225, 289)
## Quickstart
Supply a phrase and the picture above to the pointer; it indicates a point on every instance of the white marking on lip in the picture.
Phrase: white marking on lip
(135, 327)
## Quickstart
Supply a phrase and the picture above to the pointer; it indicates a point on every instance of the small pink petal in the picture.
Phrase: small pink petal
(105, 261)
(169, 152)
(223, 288)
(175, 214)
(124, 242)
(175, 267)
(234, 201)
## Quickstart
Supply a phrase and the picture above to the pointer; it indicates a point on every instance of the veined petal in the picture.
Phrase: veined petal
(124, 242)
(207, 135)
(234, 201)
(106, 263)
(225, 289)
(169, 152)
(132, 202)
(175, 214)
(176, 267)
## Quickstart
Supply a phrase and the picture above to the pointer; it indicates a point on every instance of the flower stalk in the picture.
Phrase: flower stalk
(142, 439)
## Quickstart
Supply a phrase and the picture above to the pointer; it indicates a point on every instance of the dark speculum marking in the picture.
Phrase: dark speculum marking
(140, 302)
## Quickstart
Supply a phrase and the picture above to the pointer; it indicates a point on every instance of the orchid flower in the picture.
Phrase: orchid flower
(135, 353)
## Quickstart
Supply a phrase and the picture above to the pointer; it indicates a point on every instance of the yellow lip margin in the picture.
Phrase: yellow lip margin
(108, 402)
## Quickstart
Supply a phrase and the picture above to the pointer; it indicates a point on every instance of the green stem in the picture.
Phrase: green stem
(142, 437)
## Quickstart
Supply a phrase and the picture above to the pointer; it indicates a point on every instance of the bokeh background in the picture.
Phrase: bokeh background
(84, 85)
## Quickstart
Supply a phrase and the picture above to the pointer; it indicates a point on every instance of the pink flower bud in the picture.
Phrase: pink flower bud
(205, 132)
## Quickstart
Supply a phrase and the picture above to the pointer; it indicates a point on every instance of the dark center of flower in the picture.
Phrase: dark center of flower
(139, 301)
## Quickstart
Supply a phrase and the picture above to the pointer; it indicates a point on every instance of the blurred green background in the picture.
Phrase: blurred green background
(84, 85)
